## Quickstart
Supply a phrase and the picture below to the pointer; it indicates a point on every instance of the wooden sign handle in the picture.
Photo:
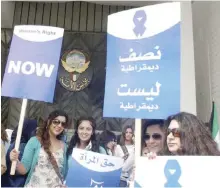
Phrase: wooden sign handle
(19, 132)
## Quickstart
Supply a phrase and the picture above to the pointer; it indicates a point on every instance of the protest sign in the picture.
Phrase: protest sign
(90, 169)
(143, 62)
(31, 68)
(178, 171)
(33, 62)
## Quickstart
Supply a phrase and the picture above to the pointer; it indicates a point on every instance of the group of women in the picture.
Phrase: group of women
(46, 156)
(180, 134)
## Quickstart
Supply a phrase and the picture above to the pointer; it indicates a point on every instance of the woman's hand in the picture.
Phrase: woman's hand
(145, 151)
(14, 155)
(112, 145)
(151, 156)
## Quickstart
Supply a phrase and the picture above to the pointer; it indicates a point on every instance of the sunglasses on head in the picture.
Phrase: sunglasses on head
(175, 132)
(155, 136)
(58, 122)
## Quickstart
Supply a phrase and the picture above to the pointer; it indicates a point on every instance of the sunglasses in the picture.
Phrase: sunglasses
(155, 136)
(175, 132)
(58, 122)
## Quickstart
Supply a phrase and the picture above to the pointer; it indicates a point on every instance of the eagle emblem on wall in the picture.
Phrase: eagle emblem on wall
(76, 72)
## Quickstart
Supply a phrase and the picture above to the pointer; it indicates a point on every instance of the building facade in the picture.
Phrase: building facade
(85, 26)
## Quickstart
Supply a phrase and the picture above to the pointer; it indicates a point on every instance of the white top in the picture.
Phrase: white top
(44, 174)
(119, 152)
(87, 148)
(129, 163)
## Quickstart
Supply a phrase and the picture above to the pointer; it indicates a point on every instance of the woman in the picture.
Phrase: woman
(153, 136)
(187, 135)
(84, 137)
(44, 157)
(4, 139)
(107, 140)
(125, 150)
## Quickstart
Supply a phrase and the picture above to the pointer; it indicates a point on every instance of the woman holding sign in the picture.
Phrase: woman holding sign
(44, 157)
(187, 135)
(84, 137)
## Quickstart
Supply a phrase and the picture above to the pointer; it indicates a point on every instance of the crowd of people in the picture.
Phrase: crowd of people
(43, 156)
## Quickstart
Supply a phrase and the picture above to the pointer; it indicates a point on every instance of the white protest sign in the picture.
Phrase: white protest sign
(86, 168)
(178, 171)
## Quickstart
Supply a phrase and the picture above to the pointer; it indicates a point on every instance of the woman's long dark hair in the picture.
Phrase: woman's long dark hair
(44, 136)
(122, 138)
(195, 137)
(75, 138)
(106, 137)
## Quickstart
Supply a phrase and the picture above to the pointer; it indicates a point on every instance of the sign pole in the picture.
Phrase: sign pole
(138, 127)
(18, 137)
(137, 138)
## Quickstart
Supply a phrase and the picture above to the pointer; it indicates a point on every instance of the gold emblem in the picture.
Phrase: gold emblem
(75, 61)
(76, 73)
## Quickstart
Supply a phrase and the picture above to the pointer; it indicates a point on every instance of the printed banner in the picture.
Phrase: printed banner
(33, 61)
(143, 62)
(182, 171)
(89, 169)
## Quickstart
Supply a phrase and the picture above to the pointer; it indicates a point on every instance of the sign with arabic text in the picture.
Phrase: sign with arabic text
(93, 170)
(33, 61)
(143, 62)
(178, 171)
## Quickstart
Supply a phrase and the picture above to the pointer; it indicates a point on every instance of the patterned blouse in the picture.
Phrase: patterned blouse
(44, 174)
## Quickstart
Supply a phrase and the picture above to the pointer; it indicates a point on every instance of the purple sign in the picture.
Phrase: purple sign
(33, 62)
